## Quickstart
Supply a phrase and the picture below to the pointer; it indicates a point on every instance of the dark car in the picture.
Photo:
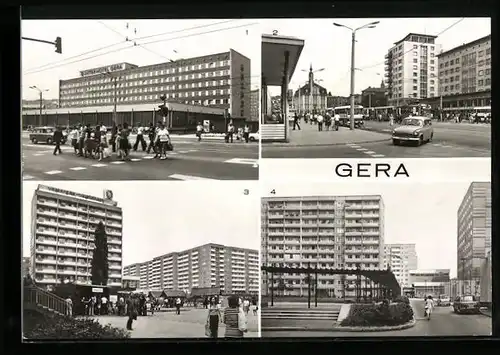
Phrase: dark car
(466, 304)
(45, 135)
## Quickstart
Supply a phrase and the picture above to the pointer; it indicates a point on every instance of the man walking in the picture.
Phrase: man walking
(57, 140)
(320, 122)
(296, 121)
(140, 139)
(178, 304)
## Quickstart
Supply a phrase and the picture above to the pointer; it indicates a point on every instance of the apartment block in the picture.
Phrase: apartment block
(62, 235)
(234, 270)
(473, 230)
(401, 258)
(411, 69)
(344, 232)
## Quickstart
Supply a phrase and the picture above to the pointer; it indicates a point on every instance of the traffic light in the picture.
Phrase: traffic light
(163, 97)
(58, 44)
(163, 110)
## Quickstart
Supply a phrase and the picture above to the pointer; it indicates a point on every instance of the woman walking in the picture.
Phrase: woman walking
(234, 318)
(213, 319)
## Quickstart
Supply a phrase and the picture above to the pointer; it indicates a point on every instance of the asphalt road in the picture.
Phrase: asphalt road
(189, 324)
(191, 160)
(443, 323)
(450, 140)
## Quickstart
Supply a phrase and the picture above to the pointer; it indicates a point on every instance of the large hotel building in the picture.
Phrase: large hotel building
(62, 235)
(218, 80)
(411, 69)
(401, 258)
(233, 270)
(473, 230)
(325, 232)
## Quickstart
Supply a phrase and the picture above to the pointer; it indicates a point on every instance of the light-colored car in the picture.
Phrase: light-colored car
(254, 137)
(417, 129)
(466, 304)
(444, 301)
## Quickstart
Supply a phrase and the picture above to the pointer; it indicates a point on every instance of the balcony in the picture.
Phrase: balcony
(48, 222)
(114, 241)
(45, 270)
(309, 207)
(67, 272)
(45, 241)
(46, 261)
(276, 216)
(371, 207)
(46, 251)
(353, 215)
(352, 207)
(44, 202)
(115, 267)
(114, 258)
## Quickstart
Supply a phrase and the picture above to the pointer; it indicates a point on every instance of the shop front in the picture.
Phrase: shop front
(280, 56)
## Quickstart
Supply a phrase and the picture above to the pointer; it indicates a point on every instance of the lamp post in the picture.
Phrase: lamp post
(114, 78)
(40, 91)
(353, 31)
(311, 84)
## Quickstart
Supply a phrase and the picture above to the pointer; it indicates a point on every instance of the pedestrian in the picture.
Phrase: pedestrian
(178, 304)
(246, 133)
(319, 119)
(69, 309)
(57, 137)
(151, 136)
(296, 121)
(104, 307)
(131, 311)
(230, 132)
(234, 318)
(246, 306)
(73, 135)
(199, 131)
(213, 319)
(140, 139)
(328, 121)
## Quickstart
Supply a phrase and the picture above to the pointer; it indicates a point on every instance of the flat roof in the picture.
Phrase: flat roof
(273, 57)
(479, 40)
(414, 34)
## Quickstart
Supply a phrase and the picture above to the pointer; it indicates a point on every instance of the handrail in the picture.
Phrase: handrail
(36, 296)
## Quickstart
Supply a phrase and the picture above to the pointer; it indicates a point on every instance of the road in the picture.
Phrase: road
(189, 324)
(443, 323)
(190, 160)
(450, 140)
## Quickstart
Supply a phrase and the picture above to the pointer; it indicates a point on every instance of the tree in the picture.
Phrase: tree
(100, 257)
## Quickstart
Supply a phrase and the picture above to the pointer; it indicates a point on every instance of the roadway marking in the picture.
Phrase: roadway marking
(38, 154)
(99, 165)
(242, 161)
(188, 177)
(117, 162)
(135, 159)
(28, 177)
(370, 152)
(361, 149)
(355, 146)
(148, 157)
(53, 172)
(378, 155)
(78, 168)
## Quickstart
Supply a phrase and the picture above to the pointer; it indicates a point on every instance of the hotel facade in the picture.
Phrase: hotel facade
(62, 236)
(233, 270)
(345, 232)
(219, 80)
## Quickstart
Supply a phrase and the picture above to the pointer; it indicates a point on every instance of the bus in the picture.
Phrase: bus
(344, 115)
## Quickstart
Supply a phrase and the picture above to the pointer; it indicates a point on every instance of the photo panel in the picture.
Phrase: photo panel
(140, 99)
(149, 259)
(377, 88)
(370, 259)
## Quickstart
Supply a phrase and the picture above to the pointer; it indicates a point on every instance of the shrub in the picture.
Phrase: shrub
(44, 325)
(402, 299)
(376, 315)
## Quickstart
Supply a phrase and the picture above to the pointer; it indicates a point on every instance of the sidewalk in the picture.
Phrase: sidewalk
(310, 136)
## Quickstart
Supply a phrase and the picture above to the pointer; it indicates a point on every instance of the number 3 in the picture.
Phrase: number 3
(246, 192)
(273, 192)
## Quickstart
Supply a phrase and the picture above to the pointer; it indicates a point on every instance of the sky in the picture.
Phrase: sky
(327, 46)
(162, 217)
(82, 39)
(421, 213)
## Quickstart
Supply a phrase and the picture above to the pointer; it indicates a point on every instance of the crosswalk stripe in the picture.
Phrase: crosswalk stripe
(378, 155)
(242, 161)
(78, 168)
(188, 177)
(135, 159)
(38, 154)
(117, 162)
(53, 172)
(355, 146)
(99, 165)
(28, 177)
(361, 149)
(148, 157)
(370, 152)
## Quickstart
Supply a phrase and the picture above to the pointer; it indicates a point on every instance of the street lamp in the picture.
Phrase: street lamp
(40, 91)
(353, 31)
(311, 85)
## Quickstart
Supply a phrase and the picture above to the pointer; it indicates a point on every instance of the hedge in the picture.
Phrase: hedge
(377, 315)
(45, 325)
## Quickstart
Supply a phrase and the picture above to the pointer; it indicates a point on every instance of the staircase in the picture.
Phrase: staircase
(38, 299)
(324, 314)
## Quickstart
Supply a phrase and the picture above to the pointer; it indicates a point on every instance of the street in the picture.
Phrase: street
(443, 323)
(450, 140)
(189, 324)
(190, 160)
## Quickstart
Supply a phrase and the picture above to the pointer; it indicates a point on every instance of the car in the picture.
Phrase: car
(417, 129)
(44, 134)
(444, 301)
(466, 304)
(254, 137)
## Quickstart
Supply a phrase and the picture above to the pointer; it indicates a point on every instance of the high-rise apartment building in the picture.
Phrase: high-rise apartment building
(473, 230)
(234, 270)
(325, 232)
(62, 235)
(401, 258)
(466, 68)
(411, 69)
(218, 80)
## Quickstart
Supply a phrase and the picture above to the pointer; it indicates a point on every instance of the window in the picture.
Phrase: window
(432, 61)
(432, 48)
(432, 55)
(480, 83)
(432, 82)
(488, 61)
(441, 65)
(414, 94)
(457, 78)
(457, 86)
(415, 87)
(480, 53)
(457, 70)
(446, 88)
(432, 68)
(488, 82)
(487, 72)
(415, 61)
(415, 46)
(415, 54)
(432, 88)
(481, 72)
(488, 51)
(415, 81)
(451, 79)
(415, 74)
(481, 63)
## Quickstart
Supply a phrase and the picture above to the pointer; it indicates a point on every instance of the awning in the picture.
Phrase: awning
(173, 293)
(273, 57)
(156, 294)
(205, 291)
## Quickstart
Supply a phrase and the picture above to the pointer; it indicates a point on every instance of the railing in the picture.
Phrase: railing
(35, 296)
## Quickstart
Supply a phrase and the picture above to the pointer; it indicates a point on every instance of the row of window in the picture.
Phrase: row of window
(457, 60)
(481, 82)
(221, 92)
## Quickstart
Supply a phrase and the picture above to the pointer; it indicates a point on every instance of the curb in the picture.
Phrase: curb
(408, 325)
(485, 314)
(320, 145)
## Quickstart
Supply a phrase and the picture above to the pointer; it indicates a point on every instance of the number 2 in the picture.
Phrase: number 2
(275, 32)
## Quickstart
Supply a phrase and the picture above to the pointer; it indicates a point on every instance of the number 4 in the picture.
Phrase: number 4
(273, 192)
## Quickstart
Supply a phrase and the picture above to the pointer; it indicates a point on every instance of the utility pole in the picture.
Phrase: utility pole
(40, 92)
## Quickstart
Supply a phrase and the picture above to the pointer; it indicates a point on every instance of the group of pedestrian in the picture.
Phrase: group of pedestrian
(321, 119)
(233, 316)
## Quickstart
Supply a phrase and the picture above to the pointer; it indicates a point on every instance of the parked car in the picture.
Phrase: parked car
(44, 135)
(254, 137)
(444, 301)
(417, 129)
(466, 304)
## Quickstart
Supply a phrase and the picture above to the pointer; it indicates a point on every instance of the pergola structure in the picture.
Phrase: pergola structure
(280, 56)
(383, 283)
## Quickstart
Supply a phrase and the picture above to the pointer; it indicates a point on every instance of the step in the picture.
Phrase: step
(279, 311)
(300, 317)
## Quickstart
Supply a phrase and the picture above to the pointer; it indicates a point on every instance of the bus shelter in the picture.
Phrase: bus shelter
(280, 56)
(383, 283)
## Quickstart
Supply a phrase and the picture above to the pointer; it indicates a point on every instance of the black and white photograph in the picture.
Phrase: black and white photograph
(376, 259)
(140, 99)
(376, 88)
(116, 261)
